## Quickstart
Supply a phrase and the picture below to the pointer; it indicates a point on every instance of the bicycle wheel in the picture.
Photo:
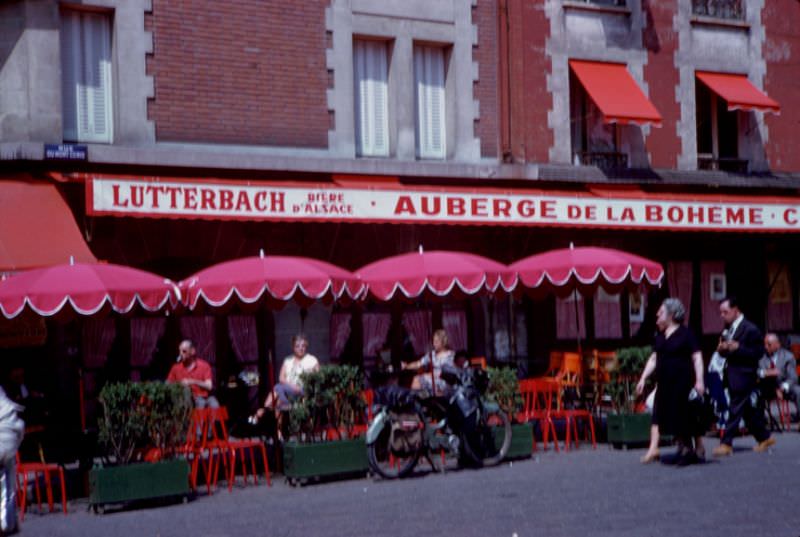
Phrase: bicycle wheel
(487, 441)
(387, 464)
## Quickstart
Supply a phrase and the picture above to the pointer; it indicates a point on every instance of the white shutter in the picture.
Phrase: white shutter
(370, 69)
(86, 71)
(429, 75)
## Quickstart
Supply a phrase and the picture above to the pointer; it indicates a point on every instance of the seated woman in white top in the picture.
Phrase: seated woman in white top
(290, 385)
(439, 356)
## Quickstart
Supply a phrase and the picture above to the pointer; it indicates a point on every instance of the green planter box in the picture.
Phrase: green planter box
(140, 481)
(521, 441)
(302, 462)
(625, 430)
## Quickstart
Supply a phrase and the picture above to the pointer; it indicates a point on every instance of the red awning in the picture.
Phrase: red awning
(739, 92)
(615, 93)
(37, 227)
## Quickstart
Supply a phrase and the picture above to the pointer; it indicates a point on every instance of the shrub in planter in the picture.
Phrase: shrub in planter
(504, 390)
(624, 425)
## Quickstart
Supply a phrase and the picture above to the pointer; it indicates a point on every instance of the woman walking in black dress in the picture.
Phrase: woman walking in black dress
(678, 366)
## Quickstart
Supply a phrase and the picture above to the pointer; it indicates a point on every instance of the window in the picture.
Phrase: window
(370, 69)
(717, 133)
(594, 142)
(429, 75)
(721, 9)
(86, 76)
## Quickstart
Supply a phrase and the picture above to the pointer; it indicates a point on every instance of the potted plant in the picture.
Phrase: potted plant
(625, 426)
(141, 426)
(504, 390)
(321, 424)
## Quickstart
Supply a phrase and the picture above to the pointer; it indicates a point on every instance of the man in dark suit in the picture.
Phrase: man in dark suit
(742, 349)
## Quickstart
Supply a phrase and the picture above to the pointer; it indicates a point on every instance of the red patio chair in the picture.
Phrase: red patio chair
(35, 470)
(241, 448)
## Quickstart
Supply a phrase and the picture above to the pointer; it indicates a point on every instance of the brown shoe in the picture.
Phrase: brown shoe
(761, 447)
(722, 450)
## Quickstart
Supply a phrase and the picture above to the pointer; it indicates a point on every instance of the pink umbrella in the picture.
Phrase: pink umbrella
(87, 288)
(278, 278)
(586, 268)
(436, 272)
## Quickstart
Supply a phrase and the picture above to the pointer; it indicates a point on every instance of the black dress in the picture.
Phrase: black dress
(675, 379)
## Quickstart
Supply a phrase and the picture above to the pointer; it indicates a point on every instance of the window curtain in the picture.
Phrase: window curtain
(455, 324)
(242, 331)
(201, 331)
(418, 328)
(376, 329)
(779, 305)
(565, 317)
(340, 333)
(607, 315)
(712, 323)
(98, 336)
(145, 333)
(679, 280)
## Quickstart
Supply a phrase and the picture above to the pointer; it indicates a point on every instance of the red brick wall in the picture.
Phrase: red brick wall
(486, 54)
(781, 50)
(239, 71)
(530, 99)
(662, 77)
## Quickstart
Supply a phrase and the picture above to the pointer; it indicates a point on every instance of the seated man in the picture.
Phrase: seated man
(779, 364)
(195, 373)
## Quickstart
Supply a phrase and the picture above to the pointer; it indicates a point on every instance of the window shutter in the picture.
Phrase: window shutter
(429, 75)
(86, 76)
(370, 68)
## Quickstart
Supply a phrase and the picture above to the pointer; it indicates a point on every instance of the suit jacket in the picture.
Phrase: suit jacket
(784, 363)
(743, 362)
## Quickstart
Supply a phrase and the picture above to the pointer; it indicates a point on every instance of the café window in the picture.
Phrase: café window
(371, 86)
(429, 79)
(719, 9)
(86, 94)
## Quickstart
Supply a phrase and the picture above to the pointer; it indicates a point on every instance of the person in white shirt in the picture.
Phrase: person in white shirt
(435, 359)
(779, 364)
(290, 385)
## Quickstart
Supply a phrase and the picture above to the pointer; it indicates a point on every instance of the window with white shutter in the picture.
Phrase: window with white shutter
(86, 76)
(370, 69)
(429, 74)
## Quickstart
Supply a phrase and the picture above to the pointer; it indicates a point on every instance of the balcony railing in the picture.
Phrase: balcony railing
(605, 160)
(733, 165)
(719, 9)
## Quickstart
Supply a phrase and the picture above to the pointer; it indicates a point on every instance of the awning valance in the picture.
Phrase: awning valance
(738, 92)
(37, 227)
(615, 92)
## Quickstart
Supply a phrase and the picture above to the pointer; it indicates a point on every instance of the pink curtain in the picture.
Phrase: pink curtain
(565, 317)
(679, 280)
(145, 333)
(418, 328)
(376, 328)
(340, 333)
(779, 305)
(607, 316)
(455, 324)
(98, 336)
(242, 331)
(712, 272)
(201, 331)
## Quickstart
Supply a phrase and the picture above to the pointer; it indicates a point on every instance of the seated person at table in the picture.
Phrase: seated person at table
(439, 356)
(195, 373)
(290, 385)
(779, 364)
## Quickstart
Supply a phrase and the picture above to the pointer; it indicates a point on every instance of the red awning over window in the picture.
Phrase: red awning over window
(739, 92)
(37, 227)
(615, 92)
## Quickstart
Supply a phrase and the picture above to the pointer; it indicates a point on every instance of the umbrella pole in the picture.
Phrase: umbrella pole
(577, 321)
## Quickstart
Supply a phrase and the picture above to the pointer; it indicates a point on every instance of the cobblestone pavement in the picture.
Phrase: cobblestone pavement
(580, 493)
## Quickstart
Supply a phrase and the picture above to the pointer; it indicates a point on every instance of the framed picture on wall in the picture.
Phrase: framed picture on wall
(636, 307)
(717, 285)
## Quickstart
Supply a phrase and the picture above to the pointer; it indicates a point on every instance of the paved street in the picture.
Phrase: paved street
(603, 492)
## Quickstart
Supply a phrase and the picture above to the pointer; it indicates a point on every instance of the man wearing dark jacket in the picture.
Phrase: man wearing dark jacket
(742, 349)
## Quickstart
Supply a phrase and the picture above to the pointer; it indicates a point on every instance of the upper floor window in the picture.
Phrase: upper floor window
(429, 77)
(371, 70)
(717, 133)
(86, 76)
(721, 9)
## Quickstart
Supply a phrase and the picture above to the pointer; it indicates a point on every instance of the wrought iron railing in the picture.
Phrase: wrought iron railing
(605, 160)
(733, 165)
(720, 9)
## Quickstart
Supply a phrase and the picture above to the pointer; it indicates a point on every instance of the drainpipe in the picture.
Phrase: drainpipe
(505, 81)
